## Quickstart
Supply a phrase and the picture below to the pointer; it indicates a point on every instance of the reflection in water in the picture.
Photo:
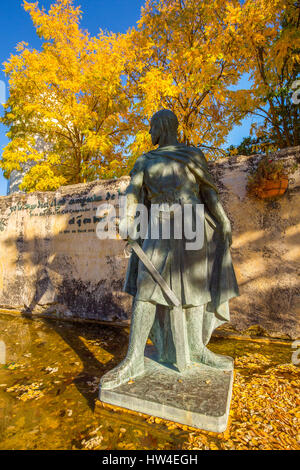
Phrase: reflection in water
(49, 385)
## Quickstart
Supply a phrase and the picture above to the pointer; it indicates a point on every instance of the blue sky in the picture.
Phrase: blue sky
(113, 15)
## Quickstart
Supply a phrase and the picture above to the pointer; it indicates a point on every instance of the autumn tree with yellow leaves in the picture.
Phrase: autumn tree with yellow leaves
(89, 99)
(270, 36)
(187, 54)
(184, 56)
(70, 97)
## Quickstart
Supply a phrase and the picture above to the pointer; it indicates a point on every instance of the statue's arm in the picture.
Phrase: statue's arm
(133, 192)
(133, 197)
(215, 207)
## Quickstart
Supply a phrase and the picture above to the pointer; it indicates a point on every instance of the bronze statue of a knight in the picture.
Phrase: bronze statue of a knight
(203, 279)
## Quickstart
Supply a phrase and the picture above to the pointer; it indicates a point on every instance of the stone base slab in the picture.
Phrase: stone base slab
(200, 397)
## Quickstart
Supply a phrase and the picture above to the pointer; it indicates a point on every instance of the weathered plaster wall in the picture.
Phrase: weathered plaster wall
(266, 247)
(52, 262)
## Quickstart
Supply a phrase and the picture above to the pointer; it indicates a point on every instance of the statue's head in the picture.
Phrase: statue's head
(164, 122)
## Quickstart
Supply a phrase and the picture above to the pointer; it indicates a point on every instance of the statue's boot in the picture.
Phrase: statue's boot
(133, 365)
(211, 359)
(198, 337)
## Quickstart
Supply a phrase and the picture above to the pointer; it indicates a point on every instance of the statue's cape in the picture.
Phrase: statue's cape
(190, 156)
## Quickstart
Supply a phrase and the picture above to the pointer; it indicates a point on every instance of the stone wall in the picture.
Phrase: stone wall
(51, 260)
(266, 246)
(52, 263)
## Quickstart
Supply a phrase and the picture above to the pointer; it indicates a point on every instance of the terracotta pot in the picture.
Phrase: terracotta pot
(273, 188)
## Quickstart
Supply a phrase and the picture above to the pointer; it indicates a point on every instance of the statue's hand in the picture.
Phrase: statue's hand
(226, 231)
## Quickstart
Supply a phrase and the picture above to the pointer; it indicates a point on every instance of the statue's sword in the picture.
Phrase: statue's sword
(178, 320)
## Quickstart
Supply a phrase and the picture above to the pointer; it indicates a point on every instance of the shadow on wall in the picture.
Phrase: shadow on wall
(267, 258)
(46, 280)
(41, 280)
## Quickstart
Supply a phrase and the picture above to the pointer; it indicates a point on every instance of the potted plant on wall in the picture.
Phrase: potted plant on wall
(270, 179)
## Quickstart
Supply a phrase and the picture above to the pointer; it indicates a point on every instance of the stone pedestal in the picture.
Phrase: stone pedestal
(199, 397)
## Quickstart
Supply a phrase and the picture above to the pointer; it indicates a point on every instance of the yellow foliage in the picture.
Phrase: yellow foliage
(185, 58)
(269, 32)
(88, 100)
(69, 97)
(186, 55)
